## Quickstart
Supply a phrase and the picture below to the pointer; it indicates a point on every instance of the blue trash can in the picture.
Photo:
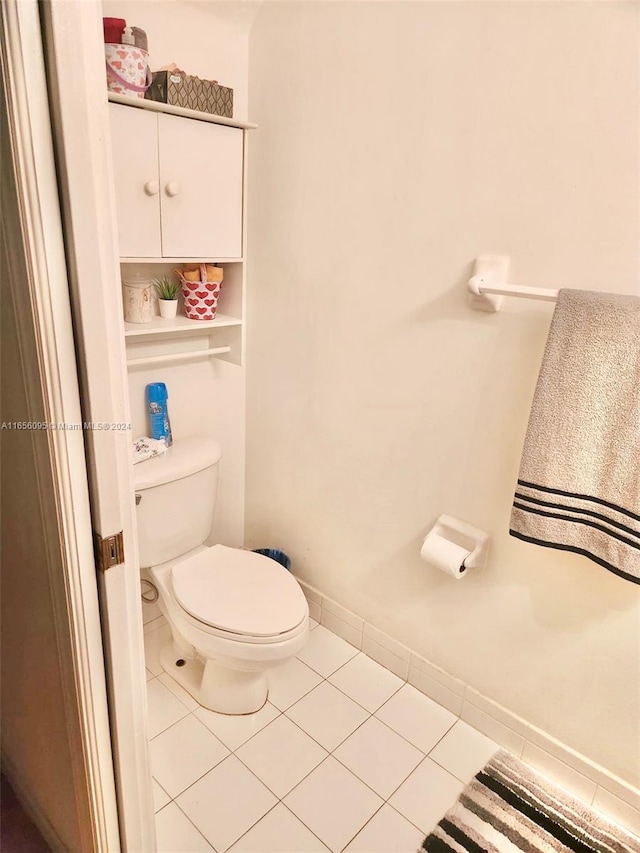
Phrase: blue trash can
(274, 554)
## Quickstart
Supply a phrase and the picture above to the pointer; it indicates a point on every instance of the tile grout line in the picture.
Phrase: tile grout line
(199, 831)
(235, 841)
(303, 823)
(329, 752)
(380, 807)
(598, 776)
(370, 714)
(385, 800)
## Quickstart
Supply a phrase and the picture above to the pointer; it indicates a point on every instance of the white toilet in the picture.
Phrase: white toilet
(233, 614)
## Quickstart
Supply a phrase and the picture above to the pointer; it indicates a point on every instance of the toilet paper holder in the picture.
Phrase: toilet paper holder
(468, 537)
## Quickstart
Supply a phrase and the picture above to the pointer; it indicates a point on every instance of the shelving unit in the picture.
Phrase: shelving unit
(157, 107)
(224, 261)
(142, 193)
(179, 326)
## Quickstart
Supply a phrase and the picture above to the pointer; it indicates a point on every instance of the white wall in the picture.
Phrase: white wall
(396, 142)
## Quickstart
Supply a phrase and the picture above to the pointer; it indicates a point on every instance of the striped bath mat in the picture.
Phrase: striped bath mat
(508, 808)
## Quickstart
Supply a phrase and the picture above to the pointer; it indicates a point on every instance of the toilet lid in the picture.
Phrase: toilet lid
(239, 591)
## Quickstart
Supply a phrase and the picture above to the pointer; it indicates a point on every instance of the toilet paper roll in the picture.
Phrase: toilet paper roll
(444, 555)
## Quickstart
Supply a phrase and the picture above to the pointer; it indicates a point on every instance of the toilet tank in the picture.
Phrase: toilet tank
(177, 499)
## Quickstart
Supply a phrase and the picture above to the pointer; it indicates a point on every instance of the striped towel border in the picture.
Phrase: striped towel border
(585, 510)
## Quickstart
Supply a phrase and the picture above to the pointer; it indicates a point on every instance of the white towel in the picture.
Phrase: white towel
(579, 482)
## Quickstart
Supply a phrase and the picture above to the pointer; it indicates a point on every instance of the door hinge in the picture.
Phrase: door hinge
(109, 551)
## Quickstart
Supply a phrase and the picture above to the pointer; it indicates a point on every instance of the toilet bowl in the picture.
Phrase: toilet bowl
(233, 613)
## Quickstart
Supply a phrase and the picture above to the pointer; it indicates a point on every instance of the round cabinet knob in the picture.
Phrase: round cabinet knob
(172, 188)
(152, 188)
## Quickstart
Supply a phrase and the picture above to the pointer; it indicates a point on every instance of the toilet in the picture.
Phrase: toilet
(233, 614)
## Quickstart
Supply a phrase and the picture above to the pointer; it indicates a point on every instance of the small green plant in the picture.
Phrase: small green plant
(166, 289)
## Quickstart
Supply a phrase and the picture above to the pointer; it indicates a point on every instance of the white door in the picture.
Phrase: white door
(77, 93)
(201, 188)
(134, 137)
(56, 746)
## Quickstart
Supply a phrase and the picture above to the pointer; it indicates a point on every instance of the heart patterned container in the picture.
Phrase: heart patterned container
(200, 297)
(127, 69)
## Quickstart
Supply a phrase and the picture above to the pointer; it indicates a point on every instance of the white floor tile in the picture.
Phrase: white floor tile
(416, 717)
(324, 652)
(387, 832)
(164, 708)
(290, 682)
(327, 715)
(152, 624)
(176, 834)
(312, 623)
(150, 612)
(379, 757)
(149, 675)
(226, 802)
(463, 751)
(333, 803)
(281, 755)
(366, 682)
(233, 731)
(279, 831)
(178, 691)
(160, 796)
(427, 795)
(153, 642)
(183, 753)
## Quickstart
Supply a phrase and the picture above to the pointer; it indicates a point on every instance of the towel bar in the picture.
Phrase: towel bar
(488, 285)
(178, 356)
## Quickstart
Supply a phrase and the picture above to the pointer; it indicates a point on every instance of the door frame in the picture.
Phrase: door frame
(77, 296)
(36, 277)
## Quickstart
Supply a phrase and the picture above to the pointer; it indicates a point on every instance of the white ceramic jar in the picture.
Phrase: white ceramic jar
(136, 295)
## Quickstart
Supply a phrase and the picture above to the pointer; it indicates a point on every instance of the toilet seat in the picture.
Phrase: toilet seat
(240, 593)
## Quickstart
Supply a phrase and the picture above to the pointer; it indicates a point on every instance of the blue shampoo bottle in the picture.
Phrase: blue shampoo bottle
(159, 425)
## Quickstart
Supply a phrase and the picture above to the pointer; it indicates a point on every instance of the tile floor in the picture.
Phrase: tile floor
(344, 756)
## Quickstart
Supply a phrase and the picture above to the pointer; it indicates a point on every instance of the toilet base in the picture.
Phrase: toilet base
(214, 686)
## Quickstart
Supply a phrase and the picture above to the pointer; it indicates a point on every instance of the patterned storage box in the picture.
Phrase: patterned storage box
(201, 285)
(127, 69)
(181, 90)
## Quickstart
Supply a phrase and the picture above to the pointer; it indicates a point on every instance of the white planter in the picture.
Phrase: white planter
(168, 308)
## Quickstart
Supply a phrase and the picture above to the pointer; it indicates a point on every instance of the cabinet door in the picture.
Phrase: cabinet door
(134, 139)
(201, 188)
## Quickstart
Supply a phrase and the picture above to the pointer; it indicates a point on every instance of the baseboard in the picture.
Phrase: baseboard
(31, 808)
(578, 775)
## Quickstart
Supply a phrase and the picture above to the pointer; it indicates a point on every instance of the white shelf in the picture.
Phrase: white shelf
(159, 326)
(156, 106)
(199, 260)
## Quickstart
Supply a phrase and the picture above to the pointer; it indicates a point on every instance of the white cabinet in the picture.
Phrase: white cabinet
(134, 139)
(178, 185)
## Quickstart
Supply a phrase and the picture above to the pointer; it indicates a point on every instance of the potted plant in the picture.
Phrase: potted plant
(167, 291)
